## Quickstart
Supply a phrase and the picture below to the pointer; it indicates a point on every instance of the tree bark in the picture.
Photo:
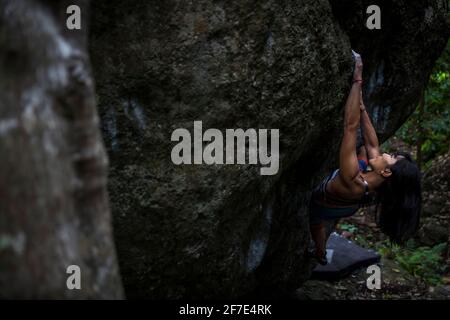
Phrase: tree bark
(420, 129)
(54, 208)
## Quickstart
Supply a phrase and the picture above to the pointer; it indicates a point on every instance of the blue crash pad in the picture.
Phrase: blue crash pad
(344, 257)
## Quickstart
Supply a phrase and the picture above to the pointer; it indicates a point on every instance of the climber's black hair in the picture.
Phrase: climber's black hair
(400, 200)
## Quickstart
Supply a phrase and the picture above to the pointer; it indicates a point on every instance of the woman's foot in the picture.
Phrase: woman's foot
(357, 73)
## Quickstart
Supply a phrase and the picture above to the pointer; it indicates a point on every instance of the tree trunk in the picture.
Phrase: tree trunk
(54, 208)
(420, 130)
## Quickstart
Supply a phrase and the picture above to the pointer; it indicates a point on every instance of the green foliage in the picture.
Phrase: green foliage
(348, 227)
(388, 250)
(433, 126)
(422, 262)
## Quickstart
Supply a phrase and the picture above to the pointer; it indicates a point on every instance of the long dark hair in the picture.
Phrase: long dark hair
(400, 200)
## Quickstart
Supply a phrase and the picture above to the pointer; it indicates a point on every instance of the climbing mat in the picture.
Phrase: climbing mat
(344, 257)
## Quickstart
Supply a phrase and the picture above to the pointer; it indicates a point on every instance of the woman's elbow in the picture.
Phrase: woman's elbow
(351, 126)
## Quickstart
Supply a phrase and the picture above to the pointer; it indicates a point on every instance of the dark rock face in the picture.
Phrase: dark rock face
(225, 230)
(398, 58)
(54, 209)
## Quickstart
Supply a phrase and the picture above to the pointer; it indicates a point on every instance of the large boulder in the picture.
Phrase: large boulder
(225, 230)
(54, 210)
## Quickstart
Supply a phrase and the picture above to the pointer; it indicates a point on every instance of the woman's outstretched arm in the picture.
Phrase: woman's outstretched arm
(348, 162)
(369, 133)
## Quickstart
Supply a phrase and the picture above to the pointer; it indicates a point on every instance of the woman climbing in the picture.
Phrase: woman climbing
(393, 183)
